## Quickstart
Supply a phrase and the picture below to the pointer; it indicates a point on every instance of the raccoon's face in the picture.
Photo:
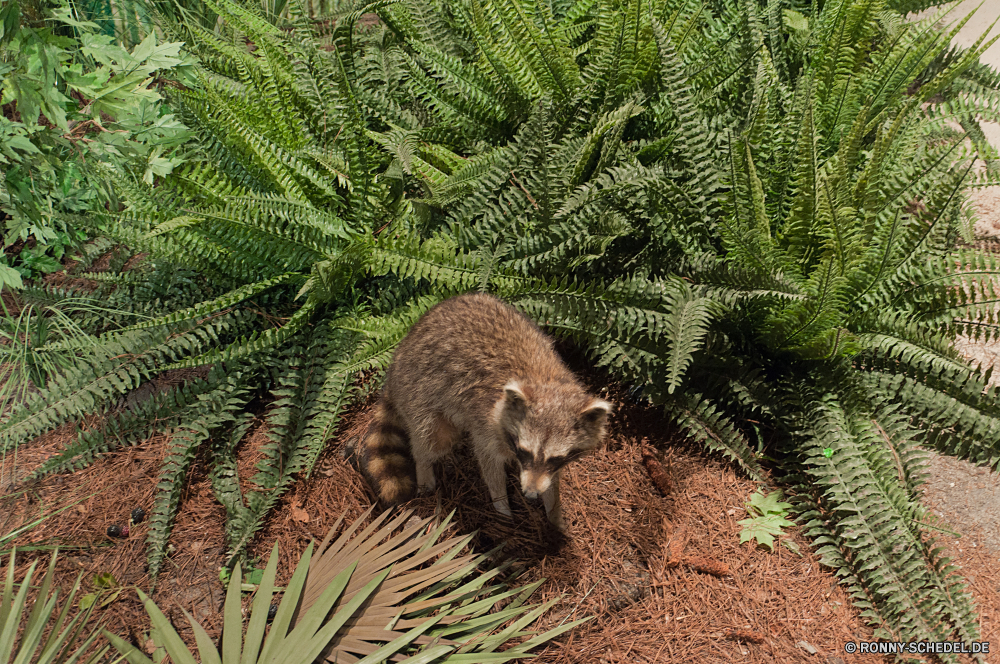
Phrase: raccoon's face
(547, 427)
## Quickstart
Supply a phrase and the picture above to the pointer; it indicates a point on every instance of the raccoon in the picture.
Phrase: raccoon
(476, 366)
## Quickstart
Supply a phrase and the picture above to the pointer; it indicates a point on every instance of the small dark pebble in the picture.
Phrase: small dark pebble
(138, 514)
(114, 531)
(272, 611)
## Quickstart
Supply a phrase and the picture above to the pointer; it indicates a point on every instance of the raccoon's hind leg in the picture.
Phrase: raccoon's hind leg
(386, 460)
(441, 437)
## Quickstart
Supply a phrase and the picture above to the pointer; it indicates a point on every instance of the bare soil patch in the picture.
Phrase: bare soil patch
(617, 563)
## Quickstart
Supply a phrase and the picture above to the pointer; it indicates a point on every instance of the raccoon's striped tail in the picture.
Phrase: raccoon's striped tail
(386, 460)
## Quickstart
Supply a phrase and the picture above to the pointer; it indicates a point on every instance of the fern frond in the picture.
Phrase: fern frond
(122, 365)
(437, 259)
(692, 133)
(255, 343)
(131, 424)
(647, 331)
(709, 425)
(198, 312)
(215, 409)
(898, 578)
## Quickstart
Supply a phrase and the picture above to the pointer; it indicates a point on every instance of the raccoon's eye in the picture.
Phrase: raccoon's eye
(523, 456)
(556, 462)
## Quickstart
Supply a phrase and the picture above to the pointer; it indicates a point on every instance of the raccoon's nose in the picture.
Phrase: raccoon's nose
(532, 496)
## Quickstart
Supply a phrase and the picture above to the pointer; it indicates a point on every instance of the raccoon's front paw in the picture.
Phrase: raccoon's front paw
(425, 489)
(426, 481)
(502, 506)
(556, 519)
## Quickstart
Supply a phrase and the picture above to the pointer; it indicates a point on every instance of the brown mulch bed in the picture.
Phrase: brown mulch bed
(664, 577)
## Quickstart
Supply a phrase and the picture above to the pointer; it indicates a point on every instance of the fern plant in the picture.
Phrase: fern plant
(233, 237)
(752, 216)
(750, 224)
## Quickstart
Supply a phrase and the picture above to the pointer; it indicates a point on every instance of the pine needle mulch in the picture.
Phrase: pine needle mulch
(664, 577)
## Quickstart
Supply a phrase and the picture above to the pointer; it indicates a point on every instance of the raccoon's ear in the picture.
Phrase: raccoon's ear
(593, 418)
(513, 406)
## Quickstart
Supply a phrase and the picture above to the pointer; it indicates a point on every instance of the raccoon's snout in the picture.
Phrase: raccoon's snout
(534, 484)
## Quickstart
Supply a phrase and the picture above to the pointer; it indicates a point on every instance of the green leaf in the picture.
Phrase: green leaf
(767, 518)
(794, 20)
(105, 580)
(764, 529)
(769, 504)
(10, 277)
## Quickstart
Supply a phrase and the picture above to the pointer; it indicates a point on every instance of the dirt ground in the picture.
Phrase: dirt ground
(631, 557)
(661, 572)
(663, 575)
